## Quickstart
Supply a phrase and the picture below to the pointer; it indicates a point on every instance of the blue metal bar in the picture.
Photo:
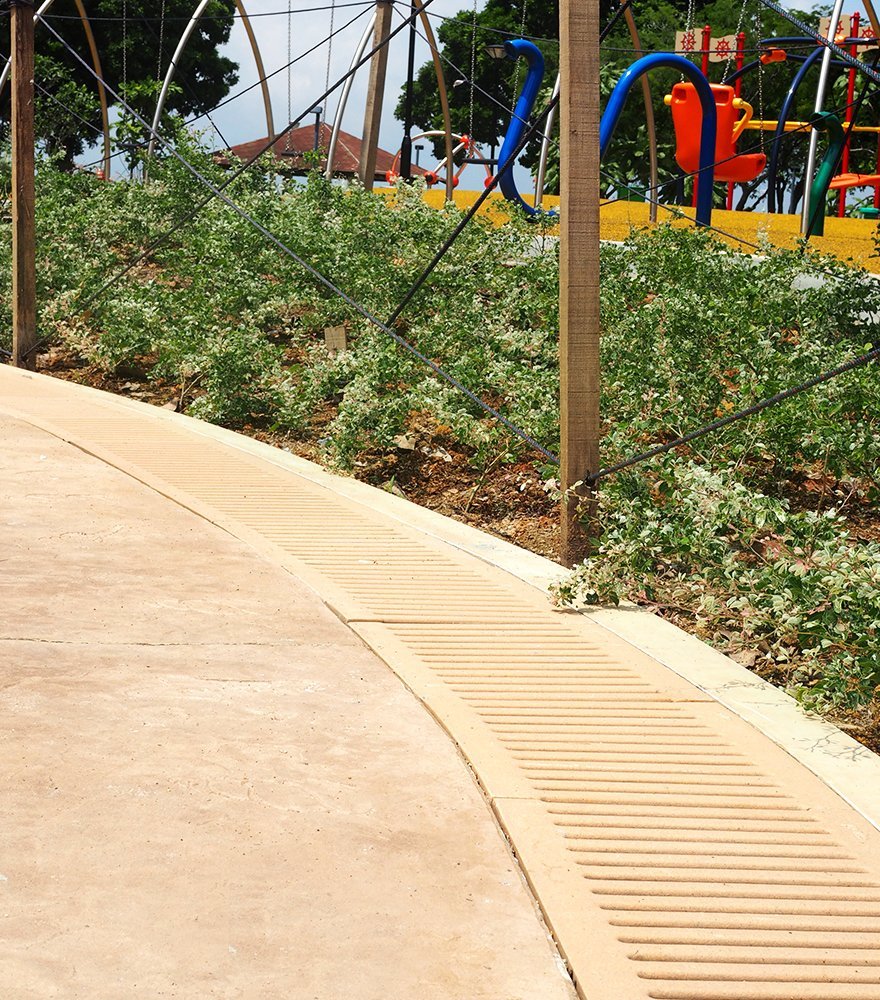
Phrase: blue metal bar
(616, 101)
(532, 54)
(785, 111)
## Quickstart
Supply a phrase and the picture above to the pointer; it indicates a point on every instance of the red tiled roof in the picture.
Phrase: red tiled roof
(297, 141)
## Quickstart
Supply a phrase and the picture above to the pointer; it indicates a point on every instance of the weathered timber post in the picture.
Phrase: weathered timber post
(375, 94)
(24, 282)
(578, 266)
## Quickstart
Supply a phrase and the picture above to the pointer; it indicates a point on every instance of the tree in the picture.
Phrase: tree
(134, 51)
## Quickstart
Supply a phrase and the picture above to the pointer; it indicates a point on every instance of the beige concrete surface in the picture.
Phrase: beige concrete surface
(209, 787)
(676, 850)
(852, 770)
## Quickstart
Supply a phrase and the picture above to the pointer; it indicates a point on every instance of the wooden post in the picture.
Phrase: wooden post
(578, 264)
(375, 94)
(24, 283)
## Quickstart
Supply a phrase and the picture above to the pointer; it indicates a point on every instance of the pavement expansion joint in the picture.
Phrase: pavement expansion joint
(666, 839)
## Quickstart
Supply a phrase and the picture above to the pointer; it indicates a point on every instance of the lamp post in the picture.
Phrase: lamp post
(317, 112)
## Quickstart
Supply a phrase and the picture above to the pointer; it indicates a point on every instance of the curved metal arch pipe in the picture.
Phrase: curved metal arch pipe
(785, 111)
(650, 124)
(96, 65)
(258, 62)
(708, 128)
(441, 86)
(514, 49)
(545, 147)
(820, 100)
(343, 97)
(172, 69)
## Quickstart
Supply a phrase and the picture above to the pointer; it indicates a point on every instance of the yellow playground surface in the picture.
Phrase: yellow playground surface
(847, 239)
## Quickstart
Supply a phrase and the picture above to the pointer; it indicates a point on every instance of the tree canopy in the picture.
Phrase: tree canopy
(135, 52)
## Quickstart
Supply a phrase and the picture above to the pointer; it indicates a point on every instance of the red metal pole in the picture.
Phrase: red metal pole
(848, 115)
(877, 169)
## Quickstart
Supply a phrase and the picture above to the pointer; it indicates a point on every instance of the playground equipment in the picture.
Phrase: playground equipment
(707, 125)
(824, 122)
(687, 117)
(464, 144)
(779, 49)
(515, 49)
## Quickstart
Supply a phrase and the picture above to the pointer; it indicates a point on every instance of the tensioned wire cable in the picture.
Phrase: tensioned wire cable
(856, 362)
(187, 217)
(250, 87)
(216, 192)
(217, 17)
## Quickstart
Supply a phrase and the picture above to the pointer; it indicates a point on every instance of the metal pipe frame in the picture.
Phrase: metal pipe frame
(514, 49)
(785, 111)
(441, 86)
(343, 96)
(172, 69)
(96, 63)
(545, 147)
(820, 100)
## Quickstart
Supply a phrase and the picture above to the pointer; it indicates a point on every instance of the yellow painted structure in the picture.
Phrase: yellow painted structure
(847, 239)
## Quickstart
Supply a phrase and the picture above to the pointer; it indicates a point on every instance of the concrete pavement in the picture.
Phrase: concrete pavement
(210, 786)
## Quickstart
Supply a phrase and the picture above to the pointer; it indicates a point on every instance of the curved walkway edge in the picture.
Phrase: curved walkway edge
(648, 786)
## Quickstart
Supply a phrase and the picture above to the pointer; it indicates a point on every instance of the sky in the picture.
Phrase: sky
(244, 119)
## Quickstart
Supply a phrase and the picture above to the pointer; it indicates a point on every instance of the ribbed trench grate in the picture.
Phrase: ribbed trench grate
(678, 854)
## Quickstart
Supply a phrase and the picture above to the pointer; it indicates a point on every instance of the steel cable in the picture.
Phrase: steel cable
(857, 362)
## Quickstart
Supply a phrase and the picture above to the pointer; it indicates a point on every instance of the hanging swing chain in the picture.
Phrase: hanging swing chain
(689, 22)
(329, 57)
(473, 70)
(124, 45)
(759, 18)
(161, 41)
(739, 28)
(289, 68)
(522, 30)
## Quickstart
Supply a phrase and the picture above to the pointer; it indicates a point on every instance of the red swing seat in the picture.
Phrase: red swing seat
(687, 118)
